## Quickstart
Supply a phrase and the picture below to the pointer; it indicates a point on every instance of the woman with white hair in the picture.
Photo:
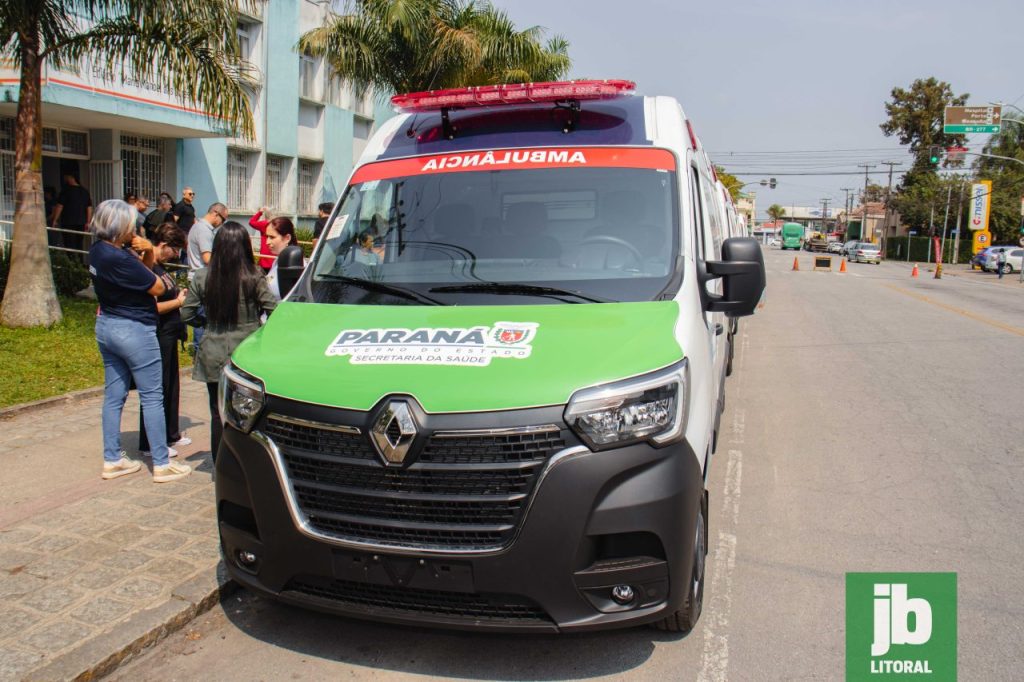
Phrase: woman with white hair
(126, 287)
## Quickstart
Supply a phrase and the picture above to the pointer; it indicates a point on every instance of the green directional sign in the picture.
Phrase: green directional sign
(966, 128)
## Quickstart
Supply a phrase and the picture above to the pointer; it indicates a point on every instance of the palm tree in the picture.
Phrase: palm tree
(415, 45)
(188, 46)
(775, 212)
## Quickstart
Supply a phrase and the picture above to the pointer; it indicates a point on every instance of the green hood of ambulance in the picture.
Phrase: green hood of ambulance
(333, 355)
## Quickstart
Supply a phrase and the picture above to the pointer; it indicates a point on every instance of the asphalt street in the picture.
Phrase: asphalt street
(872, 424)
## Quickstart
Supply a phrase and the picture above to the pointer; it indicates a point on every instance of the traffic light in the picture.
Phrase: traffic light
(771, 183)
(934, 155)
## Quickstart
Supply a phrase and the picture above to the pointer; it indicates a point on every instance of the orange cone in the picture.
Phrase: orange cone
(913, 273)
(796, 263)
(842, 266)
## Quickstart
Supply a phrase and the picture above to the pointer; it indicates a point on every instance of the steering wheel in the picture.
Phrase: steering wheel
(608, 239)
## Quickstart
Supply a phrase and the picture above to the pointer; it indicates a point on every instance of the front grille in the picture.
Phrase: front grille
(288, 434)
(454, 605)
(466, 491)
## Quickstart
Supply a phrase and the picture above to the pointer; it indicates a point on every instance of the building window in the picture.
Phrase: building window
(309, 174)
(142, 165)
(240, 169)
(74, 142)
(50, 140)
(307, 77)
(361, 128)
(243, 33)
(275, 182)
(6, 134)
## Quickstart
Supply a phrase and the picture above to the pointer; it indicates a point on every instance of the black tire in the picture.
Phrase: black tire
(685, 619)
(1007, 269)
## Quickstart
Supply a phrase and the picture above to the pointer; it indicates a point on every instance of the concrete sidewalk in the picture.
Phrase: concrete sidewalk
(93, 571)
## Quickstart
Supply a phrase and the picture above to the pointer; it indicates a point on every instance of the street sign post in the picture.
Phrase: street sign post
(959, 120)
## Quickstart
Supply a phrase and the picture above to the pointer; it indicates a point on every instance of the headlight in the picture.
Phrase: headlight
(651, 407)
(241, 398)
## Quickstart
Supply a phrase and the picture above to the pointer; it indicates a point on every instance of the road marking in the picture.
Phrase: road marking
(959, 311)
(715, 656)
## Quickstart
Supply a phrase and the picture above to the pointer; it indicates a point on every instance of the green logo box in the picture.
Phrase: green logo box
(901, 626)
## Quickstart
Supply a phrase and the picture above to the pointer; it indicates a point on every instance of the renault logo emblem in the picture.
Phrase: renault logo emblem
(393, 432)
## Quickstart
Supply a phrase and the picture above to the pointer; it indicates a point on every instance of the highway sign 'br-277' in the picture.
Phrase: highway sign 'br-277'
(972, 119)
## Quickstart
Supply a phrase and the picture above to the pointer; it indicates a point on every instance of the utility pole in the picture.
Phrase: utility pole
(847, 208)
(824, 215)
(888, 195)
(942, 246)
(864, 201)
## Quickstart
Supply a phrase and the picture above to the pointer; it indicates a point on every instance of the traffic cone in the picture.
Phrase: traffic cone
(842, 266)
(913, 273)
(796, 263)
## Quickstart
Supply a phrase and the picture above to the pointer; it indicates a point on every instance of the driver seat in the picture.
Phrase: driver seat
(624, 212)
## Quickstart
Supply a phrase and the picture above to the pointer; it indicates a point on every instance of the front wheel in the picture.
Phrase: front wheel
(1007, 269)
(685, 619)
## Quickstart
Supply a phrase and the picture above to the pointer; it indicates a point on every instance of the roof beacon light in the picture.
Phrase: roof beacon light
(519, 93)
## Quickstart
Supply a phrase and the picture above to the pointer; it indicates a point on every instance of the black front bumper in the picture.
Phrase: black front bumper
(592, 521)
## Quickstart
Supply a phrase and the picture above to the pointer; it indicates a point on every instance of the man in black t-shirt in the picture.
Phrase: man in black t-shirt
(184, 213)
(321, 222)
(73, 211)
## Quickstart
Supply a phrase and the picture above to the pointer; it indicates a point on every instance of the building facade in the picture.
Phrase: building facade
(134, 136)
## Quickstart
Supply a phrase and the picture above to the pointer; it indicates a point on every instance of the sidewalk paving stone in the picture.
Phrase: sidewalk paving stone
(92, 571)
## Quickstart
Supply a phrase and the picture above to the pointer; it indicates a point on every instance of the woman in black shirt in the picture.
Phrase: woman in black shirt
(168, 241)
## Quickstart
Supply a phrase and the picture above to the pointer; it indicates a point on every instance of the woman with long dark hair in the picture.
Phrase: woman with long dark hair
(234, 293)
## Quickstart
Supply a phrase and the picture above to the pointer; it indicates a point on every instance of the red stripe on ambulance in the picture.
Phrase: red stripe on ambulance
(586, 157)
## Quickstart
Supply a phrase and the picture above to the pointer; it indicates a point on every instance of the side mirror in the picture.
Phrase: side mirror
(743, 278)
(289, 269)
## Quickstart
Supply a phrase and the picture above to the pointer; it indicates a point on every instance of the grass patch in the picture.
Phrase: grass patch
(41, 363)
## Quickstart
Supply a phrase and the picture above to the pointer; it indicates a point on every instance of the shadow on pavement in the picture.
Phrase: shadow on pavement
(443, 653)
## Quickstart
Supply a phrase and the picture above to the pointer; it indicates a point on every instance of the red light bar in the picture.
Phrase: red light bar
(519, 93)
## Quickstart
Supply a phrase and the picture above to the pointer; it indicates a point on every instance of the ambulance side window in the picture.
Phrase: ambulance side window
(696, 204)
(713, 231)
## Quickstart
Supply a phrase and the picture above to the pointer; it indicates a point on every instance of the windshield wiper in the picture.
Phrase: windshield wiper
(513, 288)
(381, 287)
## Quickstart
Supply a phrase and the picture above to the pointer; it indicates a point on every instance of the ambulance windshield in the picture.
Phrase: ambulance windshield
(492, 237)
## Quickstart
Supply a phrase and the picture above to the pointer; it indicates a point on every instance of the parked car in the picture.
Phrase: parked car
(866, 252)
(978, 260)
(848, 248)
(1013, 259)
(835, 247)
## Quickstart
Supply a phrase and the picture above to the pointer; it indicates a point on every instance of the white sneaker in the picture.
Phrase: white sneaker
(172, 472)
(121, 467)
(171, 452)
(182, 442)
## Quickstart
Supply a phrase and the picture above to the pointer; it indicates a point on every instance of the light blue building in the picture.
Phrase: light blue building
(131, 136)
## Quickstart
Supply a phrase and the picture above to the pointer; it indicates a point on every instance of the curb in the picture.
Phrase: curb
(104, 653)
(63, 399)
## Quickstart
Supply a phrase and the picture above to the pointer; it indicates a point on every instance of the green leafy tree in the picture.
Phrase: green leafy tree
(775, 212)
(187, 46)
(875, 192)
(1007, 181)
(922, 205)
(733, 184)
(415, 45)
(915, 116)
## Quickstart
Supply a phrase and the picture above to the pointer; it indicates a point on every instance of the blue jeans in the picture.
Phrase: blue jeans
(130, 351)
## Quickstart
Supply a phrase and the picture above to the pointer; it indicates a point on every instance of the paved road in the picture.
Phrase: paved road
(873, 423)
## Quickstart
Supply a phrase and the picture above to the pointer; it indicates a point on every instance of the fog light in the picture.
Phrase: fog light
(622, 594)
(246, 558)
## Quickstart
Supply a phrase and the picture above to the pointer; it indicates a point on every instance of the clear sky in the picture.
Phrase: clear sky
(792, 76)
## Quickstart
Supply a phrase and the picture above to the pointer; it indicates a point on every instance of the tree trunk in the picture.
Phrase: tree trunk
(30, 299)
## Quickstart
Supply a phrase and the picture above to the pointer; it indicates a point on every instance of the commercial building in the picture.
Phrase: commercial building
(134, 136)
